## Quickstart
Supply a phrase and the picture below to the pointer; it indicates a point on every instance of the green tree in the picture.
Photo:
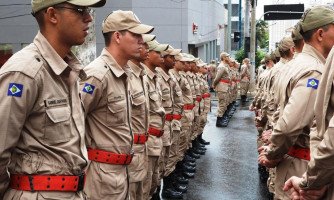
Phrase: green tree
(259, 55)
(262, 34)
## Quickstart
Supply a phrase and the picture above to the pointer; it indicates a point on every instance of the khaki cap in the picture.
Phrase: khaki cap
(38, 5)
(316, 17)
(190, 57)
(285, 44)
(224, 54)
(171, 51)
(156, 46)
(200, 63)
(120, 20)
(295, 34)
(182, 58)
(148, 37)
(267, 57)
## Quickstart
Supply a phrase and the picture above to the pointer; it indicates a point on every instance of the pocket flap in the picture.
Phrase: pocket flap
(59, 114)
(154, 96)
(138, 99)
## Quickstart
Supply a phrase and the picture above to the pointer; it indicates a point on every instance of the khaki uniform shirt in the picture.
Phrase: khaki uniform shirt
(42, 128)
(185, 87)
(245, 73)
(139, 122)
(166, 85)
(156, 111)
(296, 118)
(223, 73)
(178, 99)
(320, 169)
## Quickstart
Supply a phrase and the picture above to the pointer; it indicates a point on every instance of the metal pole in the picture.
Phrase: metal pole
(253, 39)
(239, 28)
(229, 26)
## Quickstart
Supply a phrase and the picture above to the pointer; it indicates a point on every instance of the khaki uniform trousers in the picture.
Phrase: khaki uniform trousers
(223, 101)
(152, 178)
(137, 190)
(288, 167)
(106, 181)
(186, 121)
(174, 148)
(165, 150)
(244, 87)
(16, 194)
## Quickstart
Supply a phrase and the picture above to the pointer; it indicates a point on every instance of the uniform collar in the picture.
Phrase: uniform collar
(136, 70)
(176, 74)
(308, 49)
(56, 63)
(149, 73)
(163, 73)
(189, 73)
(112, 64)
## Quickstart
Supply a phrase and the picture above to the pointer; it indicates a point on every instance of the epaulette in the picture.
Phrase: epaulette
(26, 61)
(98, 69)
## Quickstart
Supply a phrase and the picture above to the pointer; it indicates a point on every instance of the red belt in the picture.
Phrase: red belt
(206, 95)
(238, 81)
(140, 138)
(47, 182)
(177, 116)
(156, 132)
(198, 98)
(301, 153)
(169, 117)
(224, 81)
(109, 157)
(188, 106)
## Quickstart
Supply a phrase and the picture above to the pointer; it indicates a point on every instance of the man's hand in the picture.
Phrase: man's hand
(296, 193)
(263, 160)
(266, 136)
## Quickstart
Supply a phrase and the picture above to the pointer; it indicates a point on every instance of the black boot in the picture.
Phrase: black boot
(156, 195)
(187, 158)
(168, 191)
(219, 122)
(225, 120)
(202, 141)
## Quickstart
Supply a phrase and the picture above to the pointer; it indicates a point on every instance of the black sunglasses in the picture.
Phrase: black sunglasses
(81, 11)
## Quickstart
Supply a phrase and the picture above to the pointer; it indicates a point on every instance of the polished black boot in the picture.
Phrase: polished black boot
(192, 154)
(187, 158)
(188, 168)
(168, 190)
(225, 120)
(202, 141)
(156, 195)
(178, 177)
(219, 122)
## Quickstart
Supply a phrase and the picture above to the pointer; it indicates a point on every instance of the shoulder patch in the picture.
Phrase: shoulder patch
(88, 88)
(313, 83)
(15, 90)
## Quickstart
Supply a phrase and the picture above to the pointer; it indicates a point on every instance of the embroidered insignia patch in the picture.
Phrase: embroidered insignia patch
(313, 83)
(15, 90)
(88, 88)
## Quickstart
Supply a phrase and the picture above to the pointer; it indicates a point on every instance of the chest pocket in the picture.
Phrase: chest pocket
(116, 115)
(138, 103)
(154, 100)
(178, 96)
(57, 127)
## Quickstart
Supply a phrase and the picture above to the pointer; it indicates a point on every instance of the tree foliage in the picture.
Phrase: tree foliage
(262, 34)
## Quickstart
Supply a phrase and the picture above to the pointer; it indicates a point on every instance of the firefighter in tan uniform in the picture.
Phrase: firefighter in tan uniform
(139, 121)
(245, 79)
(109, 136)
(167, 85)
(156, 119)
(42, 149)
(212, 71)
(317, 182)
(290, 145)
(221, 84)
(185, 156)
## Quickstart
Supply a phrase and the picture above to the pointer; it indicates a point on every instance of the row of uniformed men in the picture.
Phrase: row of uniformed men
(226, 83)
(139, 116)
(293, 107)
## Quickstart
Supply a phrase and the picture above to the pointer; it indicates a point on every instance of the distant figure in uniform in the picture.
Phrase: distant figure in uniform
(42, 148)
(245, 79)
(212, 71)
(106, 99)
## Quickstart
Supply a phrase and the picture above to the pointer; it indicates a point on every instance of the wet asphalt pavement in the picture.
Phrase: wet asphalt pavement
(228, 170)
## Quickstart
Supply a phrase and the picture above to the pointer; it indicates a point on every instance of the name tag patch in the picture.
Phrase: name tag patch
(313, 83)
(15, 90)
(56, 102)
(88, 88)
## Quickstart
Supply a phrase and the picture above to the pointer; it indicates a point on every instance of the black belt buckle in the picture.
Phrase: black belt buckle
(81, 182)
